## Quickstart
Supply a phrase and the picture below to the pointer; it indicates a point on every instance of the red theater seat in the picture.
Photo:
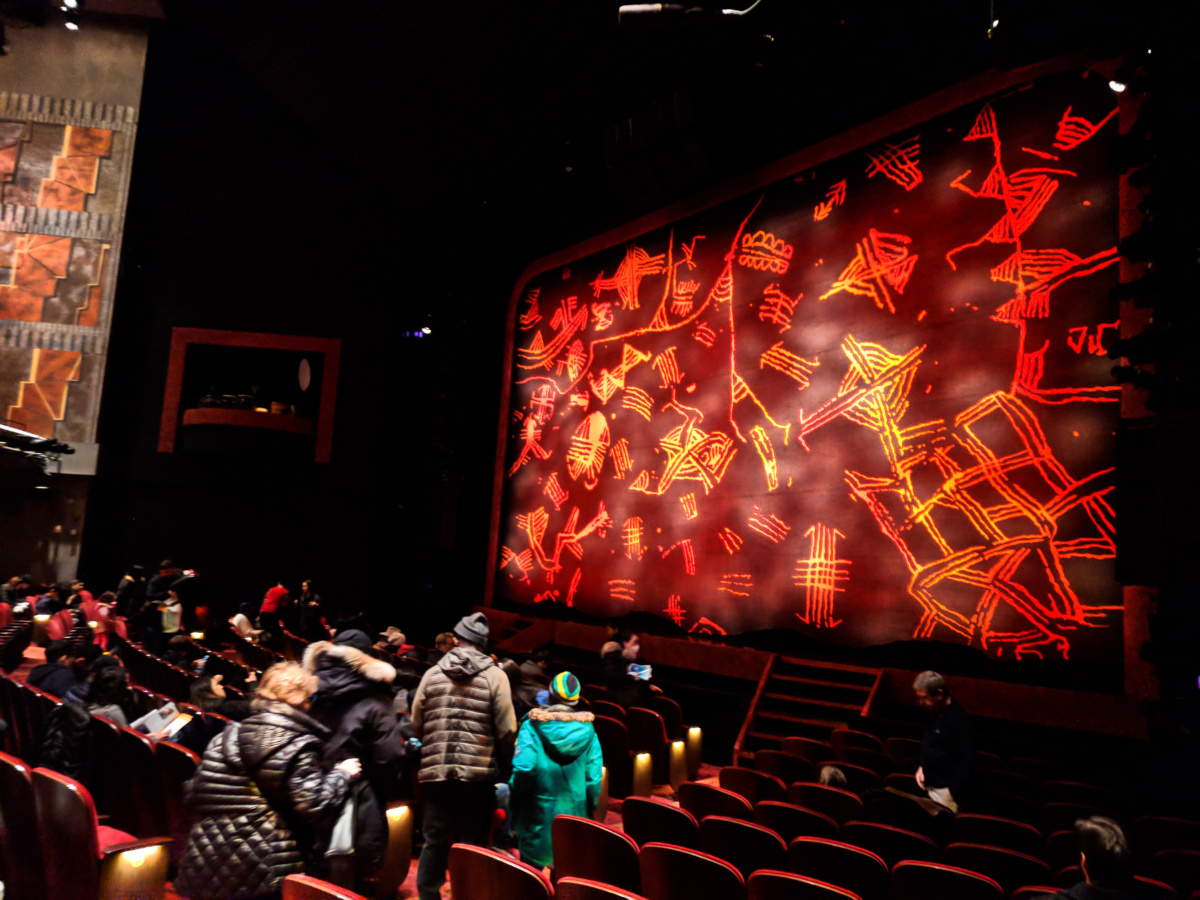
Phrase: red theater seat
(705, 800)
(648, 820)
(770, 885)
(305, 887)
(20, 853)
(1010, 782)
(841, 864)
(859, 779)
(790, 821)
(80, 855)
(1178, 868)
(586, 849)
(143, 789)
(672, 716)
(838, 804)
(584, 889)
(891, 844)
(1008, 867)
(752, 785)
(1149, 889)
(648, 734)
(482, 874)
(176, 765)
(786, 768)
(841, 738)
(913, 880)
(877, 762)
(676, 873)
(744, 845)
(1077, 792)
(612, 710)
(1032, 892)
(806, 748)
(618, 758)
(901, 748)
(1153, 833)
(973, 828)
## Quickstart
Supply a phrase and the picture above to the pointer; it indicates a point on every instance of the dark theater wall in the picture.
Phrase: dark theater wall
(867, 399)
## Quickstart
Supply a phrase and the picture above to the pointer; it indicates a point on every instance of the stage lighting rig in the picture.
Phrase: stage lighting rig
(23, 443)
(660, 15)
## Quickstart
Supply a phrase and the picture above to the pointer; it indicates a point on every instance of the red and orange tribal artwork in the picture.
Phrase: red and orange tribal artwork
(869, 402)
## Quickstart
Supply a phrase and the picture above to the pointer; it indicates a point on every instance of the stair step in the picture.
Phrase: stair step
(796, 679)
(786, 718)
(832, 704)
(842, 675)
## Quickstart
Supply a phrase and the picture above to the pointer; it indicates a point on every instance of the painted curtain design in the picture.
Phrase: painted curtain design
(870, 401)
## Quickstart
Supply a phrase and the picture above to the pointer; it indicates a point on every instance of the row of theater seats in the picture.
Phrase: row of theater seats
(663, 871)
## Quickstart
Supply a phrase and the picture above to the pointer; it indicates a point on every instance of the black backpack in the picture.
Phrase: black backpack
(66, 745)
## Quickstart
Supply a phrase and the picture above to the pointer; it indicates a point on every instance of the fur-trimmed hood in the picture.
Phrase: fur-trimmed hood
(565, 732)
(341, 669)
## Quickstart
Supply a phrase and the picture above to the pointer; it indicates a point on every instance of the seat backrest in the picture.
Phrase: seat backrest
(677, 873)
(786, 768)
(1178, 868)
(648, 820)
(20, 853)
(672, 716)
(586, 849)
(482, 874)
(1010, 783)
(614, 745)
(585, 889)
(807, 748)
(848, 737)
(1077, 792)
(891, 844)
(745, 845)
(706, 800)
(841, 864)
(1153, 833)
(902, 748)
(975, 828)
(751, 784)
(66, 822)
(610, 709)
(176, 765)
(595, 692)
(790, 821)
(647, 733)
(913, 880)
(1008, 867)
(1058, 815)
(859, 779)
(305, 887)
(766, 884)
(1149, 889)
(874, 760)
(840, 805)
(105, 777)
(142, 785)
(6, 615)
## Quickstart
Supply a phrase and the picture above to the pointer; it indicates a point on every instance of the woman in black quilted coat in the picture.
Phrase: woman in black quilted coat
(260, 794)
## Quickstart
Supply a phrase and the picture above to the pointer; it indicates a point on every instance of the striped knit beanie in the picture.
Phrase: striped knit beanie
(565, 688)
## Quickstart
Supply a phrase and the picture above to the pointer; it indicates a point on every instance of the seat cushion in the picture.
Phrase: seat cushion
(106, 837)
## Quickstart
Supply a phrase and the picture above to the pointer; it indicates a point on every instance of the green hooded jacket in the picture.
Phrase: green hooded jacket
(557, 770)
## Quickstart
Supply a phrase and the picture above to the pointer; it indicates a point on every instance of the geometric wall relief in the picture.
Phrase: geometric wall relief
(64, 172)
(869, 402)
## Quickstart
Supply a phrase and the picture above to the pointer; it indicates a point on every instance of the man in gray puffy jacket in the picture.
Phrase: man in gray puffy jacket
(463, 714)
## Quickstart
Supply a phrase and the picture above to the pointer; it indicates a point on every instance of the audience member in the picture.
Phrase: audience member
(442, 645)
(208, 694)
(626, 674)
(259, 794)
(54, 600)
(56, 675)
(159, 585)
(524, 692)
(557, 769)
(832, 776)
(311, 614)
(131, 591)
(15, 590)
(1105, 860)
(947, 751)
(96, 664)
(109, 696)
(463, 711)
(537, 667)
(354, 701)
(243, 624)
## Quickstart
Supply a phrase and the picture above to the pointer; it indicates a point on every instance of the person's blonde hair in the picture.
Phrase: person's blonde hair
(286, 682)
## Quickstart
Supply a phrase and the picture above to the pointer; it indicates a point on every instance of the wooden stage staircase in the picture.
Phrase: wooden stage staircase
(804, 698)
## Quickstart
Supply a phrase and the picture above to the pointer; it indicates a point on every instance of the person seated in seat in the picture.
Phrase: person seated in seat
(110, 696)
(442, 644)
(537, 667)
(832, 776)
(209, 695)
(1105, 860)
(57, 674)
(243, 622)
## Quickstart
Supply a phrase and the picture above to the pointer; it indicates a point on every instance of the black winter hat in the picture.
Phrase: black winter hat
(352, 637)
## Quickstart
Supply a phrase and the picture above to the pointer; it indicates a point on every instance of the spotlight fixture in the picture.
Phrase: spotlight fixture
(1124, 77)
(72, 20)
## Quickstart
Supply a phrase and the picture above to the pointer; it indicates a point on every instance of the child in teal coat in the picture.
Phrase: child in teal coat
(557, 769)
